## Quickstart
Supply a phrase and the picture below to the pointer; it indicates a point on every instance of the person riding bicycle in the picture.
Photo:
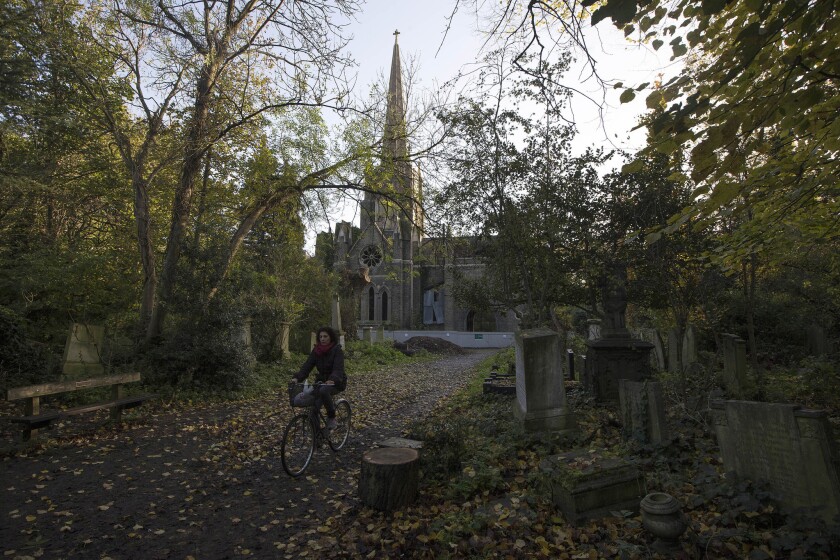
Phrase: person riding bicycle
(328, 358)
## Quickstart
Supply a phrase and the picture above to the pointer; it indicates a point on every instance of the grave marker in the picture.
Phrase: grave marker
(540, 391)
(789, 447)
(642, 407)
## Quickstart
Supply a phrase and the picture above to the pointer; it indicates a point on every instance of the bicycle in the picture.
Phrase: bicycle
(308, 430)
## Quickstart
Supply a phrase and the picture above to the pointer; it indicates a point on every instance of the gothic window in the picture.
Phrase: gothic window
(371, 303)
(371, 256)
(384, 306)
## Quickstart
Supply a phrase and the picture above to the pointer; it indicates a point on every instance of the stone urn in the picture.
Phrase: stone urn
(662, 517)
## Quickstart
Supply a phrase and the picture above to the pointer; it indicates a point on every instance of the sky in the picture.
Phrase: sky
(423, 36)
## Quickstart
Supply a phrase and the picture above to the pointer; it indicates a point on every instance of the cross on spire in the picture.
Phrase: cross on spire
(396, 35)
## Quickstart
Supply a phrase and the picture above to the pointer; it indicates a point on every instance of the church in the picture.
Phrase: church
(412, 277)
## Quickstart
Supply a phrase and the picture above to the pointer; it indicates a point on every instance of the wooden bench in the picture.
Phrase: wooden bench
(34, 419)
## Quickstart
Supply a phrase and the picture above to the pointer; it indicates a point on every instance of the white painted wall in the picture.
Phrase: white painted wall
(462, 339)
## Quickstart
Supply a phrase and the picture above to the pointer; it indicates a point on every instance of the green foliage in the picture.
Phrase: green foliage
(210, 355)
(22, 362)
(361, 356)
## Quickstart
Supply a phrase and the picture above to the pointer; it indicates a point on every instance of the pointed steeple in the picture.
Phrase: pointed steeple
(394, 141)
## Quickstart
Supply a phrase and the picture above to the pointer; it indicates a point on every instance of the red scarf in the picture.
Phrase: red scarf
(321, 349)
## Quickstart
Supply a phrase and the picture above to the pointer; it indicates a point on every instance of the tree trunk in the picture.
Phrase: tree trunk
(193, 153)
(389, 477)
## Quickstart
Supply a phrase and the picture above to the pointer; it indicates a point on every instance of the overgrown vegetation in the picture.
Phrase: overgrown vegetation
(484, 494)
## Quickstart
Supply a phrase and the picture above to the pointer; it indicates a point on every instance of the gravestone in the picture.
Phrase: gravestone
(642, 408)
(673, 344)
(367, 334)
(657, 356)
(570, 364)
(580, 366)
(335, 314)
(380, 333)
(734, 364)
(689, 345)
(83, 351)
(540, 391)
(284, 340)
(585, 486)
(789, 447)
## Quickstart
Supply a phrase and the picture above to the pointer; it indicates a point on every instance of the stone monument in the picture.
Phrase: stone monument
(540, 390)
(616, 355)
(791, 448)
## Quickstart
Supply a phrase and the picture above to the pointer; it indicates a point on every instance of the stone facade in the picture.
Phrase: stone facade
(412, 278)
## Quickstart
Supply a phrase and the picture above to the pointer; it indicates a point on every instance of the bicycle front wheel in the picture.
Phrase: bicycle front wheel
(298, 445)
(338, 437)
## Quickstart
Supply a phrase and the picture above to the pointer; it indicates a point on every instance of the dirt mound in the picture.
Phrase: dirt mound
(433, 345)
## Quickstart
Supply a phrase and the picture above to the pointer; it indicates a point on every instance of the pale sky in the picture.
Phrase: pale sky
(422, 25)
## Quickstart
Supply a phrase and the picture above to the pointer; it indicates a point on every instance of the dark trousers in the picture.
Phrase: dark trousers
(323, 396)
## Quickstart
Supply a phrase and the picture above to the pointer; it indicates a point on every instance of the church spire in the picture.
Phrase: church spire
(394, 140)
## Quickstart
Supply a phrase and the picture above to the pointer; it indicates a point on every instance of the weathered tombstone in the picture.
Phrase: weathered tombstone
(244, 336)
(734, 364)
(586, 487)
(817, 344)
(284, 340)
(593, 329)
(540, 390)
(642, 407)
(616, 355)
(657, 356)
(789, 447)
(380, 333)
(689, 345)
(335, 314)
(367, 334)
(83, 351)
(673, 345)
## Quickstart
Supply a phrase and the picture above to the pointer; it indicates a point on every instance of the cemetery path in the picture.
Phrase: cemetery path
(205, 483)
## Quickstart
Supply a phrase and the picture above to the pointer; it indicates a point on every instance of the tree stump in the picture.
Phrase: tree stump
(389, 477)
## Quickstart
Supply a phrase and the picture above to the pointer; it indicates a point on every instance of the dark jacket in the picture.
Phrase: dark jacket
(329, 366)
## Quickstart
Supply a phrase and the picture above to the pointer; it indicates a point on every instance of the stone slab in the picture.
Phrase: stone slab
(401, 442)
(609, 360)
(791, 448)
(642, 409)
(585, 486)
(83, 351)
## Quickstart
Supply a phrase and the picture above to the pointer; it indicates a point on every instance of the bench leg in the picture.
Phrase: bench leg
(117, 393)
(32, 407)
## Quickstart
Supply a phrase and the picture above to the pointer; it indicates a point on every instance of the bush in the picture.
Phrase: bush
(206, 356)
(22, 362)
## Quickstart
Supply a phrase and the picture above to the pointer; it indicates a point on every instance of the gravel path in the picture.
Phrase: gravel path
(206, 483)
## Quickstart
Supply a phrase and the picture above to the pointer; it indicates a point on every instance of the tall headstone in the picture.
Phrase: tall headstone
(367, 334)
(83, 351)
(734, 364)
(335, 314)
(380, 333)
(689, 345)
(642, 407)
(540, 390)
(790, 448)
(673, 344)
(657, 356)
(616, 355)
(284, 340)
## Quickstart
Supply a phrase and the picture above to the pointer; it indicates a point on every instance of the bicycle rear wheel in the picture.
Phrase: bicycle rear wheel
(298, 445)
(338, 437)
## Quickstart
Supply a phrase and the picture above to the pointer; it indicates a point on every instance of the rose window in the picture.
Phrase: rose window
(371, 256)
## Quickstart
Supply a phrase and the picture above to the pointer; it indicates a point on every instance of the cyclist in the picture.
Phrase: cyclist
(328, 358)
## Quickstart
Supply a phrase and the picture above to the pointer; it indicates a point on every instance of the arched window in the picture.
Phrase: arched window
(371, 303)
(384, 306)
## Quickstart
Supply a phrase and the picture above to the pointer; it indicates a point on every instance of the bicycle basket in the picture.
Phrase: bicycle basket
(297, 396)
